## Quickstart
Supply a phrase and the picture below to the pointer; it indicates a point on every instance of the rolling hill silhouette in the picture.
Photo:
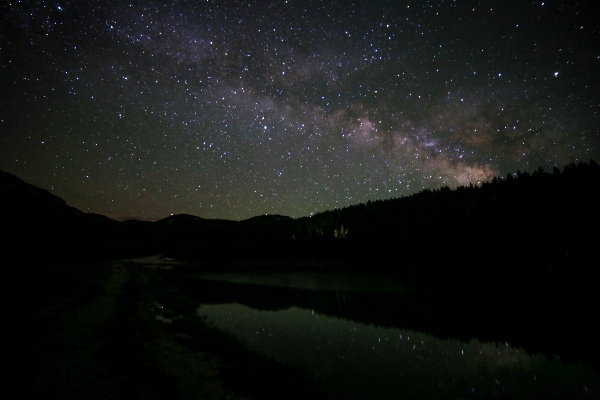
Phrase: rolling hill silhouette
(520, 228)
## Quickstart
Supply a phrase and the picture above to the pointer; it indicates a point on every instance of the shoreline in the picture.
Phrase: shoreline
(71, 341)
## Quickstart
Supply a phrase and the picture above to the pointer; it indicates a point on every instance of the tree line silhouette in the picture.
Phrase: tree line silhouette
(520, 226)
(545, 222)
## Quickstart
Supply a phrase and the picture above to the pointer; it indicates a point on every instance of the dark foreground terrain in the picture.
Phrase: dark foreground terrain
(128, 329)
(120, 330)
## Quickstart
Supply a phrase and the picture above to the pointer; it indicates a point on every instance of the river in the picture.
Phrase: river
(364, 337)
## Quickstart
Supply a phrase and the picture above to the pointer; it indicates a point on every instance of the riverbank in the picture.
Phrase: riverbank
(120, 330)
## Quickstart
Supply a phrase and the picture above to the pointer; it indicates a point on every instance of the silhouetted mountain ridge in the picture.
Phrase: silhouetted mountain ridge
(39, 226)
(29, 200)
(268, 218)
(547, 221)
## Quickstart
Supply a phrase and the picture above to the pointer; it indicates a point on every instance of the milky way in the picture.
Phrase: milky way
(231, 109)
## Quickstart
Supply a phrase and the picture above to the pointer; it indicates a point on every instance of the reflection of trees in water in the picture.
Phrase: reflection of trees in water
(354, 360)
(520, 319)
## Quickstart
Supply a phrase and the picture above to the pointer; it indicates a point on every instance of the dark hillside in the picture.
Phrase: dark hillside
(512, 230)
(189, 236)
(38, 226)
(519, 228)
(221, 242)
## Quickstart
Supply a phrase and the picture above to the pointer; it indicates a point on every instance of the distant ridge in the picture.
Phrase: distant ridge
(39, 226)
(21, 196)
(268, 217)
(133, 218)
(548, 221)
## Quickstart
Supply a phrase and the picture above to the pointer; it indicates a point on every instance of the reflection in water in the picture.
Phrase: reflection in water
(326, 280)
(361, 337)
(354, 360)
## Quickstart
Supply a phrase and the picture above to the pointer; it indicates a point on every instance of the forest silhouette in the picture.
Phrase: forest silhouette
(515, 229)
(511, 259)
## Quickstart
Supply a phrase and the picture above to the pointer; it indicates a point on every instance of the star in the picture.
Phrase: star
(117, 108)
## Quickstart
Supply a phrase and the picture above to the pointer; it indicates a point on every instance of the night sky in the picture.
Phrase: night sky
(230, 109)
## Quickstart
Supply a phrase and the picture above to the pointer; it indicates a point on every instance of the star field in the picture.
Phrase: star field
(231, 109)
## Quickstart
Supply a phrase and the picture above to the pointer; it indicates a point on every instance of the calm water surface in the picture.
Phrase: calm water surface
(352, 359)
